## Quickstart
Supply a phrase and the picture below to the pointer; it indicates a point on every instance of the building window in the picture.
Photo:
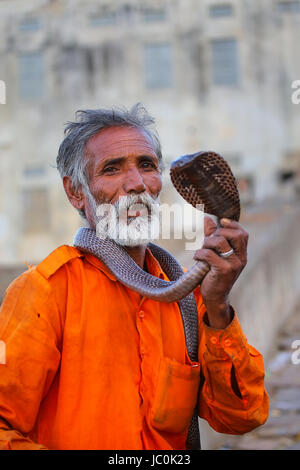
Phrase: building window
(72, 71)
(219, 11)
(36, 210)
(289, 6)
(225, 62)
(31, 75)
(34, 171)
(151, 15)
(108, 64)
(72, 59)
(158, 65)
(29, 25)
(105, 18)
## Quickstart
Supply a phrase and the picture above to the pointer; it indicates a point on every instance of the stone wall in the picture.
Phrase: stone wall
(7, 275)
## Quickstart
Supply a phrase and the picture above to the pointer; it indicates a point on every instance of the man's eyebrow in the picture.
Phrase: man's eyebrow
(109, 161)
(112, 161)
(148, 157)
(116, 161)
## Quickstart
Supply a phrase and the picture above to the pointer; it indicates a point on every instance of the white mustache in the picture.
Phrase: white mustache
(130, 221)
(134, 203)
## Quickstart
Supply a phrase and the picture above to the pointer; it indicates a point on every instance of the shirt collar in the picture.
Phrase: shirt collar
(153, 266)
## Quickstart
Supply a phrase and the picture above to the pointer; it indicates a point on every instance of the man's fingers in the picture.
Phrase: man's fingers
(217, 243)
(207, 255)
(209, 226)
(235, 226)
(236, 236)
(230, 223)
(231, 265)
(230, 234)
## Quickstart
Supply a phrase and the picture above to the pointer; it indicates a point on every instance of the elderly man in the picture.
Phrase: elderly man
(90, 363)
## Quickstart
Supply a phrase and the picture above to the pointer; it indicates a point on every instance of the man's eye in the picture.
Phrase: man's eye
(110, 169)
(148, 165)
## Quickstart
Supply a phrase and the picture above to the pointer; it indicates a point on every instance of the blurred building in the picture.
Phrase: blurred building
(216, 75)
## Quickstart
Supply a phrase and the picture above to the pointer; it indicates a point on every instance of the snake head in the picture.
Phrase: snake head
(206, 178)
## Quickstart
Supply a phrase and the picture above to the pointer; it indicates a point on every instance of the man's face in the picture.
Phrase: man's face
(122, 166)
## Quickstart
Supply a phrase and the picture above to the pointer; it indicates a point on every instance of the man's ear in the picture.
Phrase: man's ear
(76, 197)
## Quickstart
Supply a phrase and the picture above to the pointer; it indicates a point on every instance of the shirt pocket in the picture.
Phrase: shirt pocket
(175, 395)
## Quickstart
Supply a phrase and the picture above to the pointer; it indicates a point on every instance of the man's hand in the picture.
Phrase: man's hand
(223, 272)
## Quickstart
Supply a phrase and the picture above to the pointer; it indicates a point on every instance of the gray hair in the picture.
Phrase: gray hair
(70, 159)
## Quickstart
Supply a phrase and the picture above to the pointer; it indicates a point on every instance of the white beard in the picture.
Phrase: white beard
(118, 221)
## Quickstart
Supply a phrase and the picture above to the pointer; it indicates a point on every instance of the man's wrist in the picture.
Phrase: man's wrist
(219, 313)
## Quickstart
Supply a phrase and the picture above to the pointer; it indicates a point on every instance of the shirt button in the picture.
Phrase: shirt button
(214, 340)
(141, 313)
(227, 342)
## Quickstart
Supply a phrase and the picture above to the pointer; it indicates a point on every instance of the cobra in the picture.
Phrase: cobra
(201, 178)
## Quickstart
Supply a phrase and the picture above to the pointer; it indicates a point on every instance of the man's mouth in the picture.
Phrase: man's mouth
(141, 211)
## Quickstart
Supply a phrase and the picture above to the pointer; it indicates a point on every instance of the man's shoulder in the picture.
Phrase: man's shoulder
(34, 286)
(56, 259)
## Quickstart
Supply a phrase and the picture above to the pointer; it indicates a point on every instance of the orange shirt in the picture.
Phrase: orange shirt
(90, 364)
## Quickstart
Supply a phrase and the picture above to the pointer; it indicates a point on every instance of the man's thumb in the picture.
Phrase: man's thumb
(209, 226)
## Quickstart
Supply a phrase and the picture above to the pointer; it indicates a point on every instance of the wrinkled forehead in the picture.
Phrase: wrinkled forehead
(120, 142)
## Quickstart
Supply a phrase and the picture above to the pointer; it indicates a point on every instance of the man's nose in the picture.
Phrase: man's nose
(133, 182)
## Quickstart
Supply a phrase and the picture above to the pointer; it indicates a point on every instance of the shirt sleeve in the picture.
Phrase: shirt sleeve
(232, 398)
(29, 326)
